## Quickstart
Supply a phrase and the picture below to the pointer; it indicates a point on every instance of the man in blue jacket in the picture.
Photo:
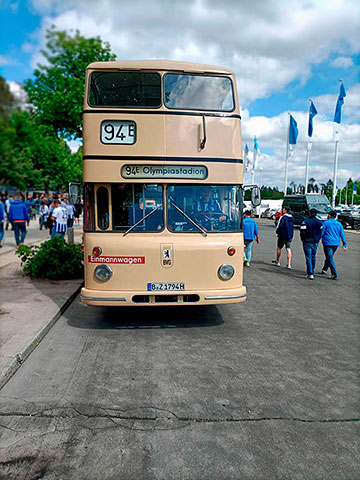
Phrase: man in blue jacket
(18, 216)
(331, 234)
(250, 234)
(2, 221)
(310, 234)
(285, 233)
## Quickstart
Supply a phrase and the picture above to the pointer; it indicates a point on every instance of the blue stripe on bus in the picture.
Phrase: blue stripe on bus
(111, 110)
(163, 159)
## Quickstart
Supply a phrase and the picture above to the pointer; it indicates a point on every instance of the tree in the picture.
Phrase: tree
(31, 156)
(7, 100)
(57, 90)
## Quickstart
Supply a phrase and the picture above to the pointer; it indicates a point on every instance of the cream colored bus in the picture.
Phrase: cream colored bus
(163, 175)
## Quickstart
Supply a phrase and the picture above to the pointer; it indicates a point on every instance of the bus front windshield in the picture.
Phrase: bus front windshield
(209, 208)
(137, 207)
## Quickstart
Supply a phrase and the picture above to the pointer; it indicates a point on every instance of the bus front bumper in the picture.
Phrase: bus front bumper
(145, 298)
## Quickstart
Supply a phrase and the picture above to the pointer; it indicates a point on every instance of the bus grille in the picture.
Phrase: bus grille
(166, 298)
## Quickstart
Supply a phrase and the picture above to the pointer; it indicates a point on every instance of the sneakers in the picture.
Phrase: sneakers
(333, 277)
(288, 266)
(247, 264)
(275, 262)
(323, 272)
(309, 277)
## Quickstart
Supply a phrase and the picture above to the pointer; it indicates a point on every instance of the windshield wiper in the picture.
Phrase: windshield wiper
(188, 218)
(141, 220)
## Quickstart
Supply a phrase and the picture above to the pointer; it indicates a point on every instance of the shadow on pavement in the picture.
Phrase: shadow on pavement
(144, 317)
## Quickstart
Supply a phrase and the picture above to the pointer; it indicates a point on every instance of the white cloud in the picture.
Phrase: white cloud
(4, 61)
(272, 136)
(342, 62)
(268, 44)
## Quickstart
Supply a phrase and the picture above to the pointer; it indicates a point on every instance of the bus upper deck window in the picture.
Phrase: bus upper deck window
(125, 89)
(102, 197)
(199, 92)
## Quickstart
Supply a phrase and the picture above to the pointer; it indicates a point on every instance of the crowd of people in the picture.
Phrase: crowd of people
(312, 231)
(54, 213)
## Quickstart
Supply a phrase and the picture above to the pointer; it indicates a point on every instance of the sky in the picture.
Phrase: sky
(283, 52)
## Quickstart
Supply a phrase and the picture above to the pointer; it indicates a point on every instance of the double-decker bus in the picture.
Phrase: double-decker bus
(163, 175)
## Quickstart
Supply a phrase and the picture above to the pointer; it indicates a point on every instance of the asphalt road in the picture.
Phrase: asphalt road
(267, 389)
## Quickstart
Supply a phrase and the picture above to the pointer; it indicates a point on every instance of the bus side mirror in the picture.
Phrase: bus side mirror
(74, 192)
(255, 196)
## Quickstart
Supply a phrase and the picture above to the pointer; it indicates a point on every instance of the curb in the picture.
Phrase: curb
(20, 357)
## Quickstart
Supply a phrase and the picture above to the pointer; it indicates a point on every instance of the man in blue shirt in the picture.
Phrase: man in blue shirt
(331, 234)
(19, 217)
(310, 234)
(251, 233)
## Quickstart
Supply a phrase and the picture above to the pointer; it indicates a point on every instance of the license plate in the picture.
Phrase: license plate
(165, 287)
(118, 132)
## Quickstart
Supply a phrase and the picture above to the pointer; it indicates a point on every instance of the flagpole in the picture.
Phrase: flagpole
(307, 158)
(307, 166)
(337, 120)
(335, 172)
(286, 159)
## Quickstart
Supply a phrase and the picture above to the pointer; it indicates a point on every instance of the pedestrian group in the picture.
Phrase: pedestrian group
(54, 213)
(312, 231)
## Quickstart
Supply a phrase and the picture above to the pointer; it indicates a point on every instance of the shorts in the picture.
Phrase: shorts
(282, 242)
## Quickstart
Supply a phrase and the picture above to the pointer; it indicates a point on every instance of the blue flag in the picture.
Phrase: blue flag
(293, 131)
(256, 153)
(312, 113)
(339, 103)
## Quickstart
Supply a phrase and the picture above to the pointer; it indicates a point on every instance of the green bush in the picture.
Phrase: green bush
(54, 259)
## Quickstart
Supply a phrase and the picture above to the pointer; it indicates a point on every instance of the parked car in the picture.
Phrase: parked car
(270, 214)
(350, 218)
(277, 215)
(265, 212)
(300, 206)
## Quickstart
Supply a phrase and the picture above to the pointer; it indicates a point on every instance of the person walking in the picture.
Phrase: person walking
(77, 212)
(8, 202)
(310, 235)
(59, 216)
(331, 234)
(251, 233)
(285, 233)
(43, 214)
(71, 211)
(19, 218)
(2, 222)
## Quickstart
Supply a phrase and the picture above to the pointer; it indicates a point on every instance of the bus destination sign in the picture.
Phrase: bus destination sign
(164, 171)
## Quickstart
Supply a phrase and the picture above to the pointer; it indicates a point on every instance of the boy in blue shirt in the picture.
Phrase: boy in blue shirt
(250, 234)
(331, 234)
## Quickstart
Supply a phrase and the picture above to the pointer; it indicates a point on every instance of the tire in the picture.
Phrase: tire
(356, 225)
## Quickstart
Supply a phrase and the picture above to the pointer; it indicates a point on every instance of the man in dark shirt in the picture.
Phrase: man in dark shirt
(310, 234)
(285, 233)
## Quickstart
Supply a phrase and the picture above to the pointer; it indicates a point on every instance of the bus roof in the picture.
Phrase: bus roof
(168, 65)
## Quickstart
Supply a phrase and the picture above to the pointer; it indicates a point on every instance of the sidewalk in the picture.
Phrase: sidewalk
(28, 307)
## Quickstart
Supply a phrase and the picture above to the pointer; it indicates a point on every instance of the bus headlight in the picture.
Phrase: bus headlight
(226, 271)
(103, 272)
